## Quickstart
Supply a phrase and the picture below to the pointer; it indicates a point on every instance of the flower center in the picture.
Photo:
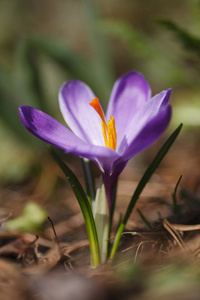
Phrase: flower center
(108, 130)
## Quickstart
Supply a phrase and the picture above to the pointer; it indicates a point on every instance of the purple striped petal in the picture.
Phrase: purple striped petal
(83, 120)
(147, 125)
(129, 93)
(53, 132)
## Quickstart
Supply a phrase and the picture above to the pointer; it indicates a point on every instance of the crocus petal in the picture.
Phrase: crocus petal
(147, 125)
(129, 93)
(53, 132)
(83, 120)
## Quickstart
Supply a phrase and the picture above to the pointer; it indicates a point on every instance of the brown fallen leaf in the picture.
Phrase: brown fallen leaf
(20, 249)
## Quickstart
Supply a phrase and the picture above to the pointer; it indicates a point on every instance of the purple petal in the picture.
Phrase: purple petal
(147, 125)
(129, 93)
(53, 132)
(74, 99)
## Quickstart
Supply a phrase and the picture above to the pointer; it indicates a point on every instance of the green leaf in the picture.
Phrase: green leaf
(31, 218)
(84, 205)
(89, 179)
(147, 175)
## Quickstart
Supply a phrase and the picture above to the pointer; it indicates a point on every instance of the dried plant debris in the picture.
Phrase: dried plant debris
(20, 249)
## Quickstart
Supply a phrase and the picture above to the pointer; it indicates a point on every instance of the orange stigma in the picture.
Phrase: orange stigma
(108, 130)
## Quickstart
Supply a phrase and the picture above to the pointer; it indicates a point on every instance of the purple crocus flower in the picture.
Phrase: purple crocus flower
(136, 121)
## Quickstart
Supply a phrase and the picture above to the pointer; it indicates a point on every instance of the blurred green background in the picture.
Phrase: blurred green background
(44, 43)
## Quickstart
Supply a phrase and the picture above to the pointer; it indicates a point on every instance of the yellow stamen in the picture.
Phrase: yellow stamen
(108, 130)
(112, 136)
(104, 130)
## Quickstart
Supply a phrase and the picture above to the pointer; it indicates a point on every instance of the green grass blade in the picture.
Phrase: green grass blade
(144, 219)
(89, 179)
(85, 208)
(150, 170)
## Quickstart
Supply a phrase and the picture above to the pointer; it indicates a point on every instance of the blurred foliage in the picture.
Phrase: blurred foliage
(93, 41)
(188, 40)
(31, 219)
(159, 65)
(16, 160)
(174, 280)
(186, 111)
